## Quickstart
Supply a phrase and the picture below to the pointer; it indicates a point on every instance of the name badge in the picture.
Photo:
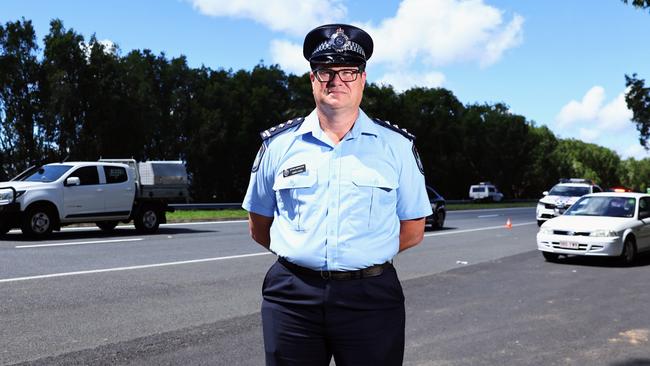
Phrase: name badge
(294, 170)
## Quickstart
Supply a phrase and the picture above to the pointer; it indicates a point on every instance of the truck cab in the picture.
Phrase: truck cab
(65, 193)
(44, 198)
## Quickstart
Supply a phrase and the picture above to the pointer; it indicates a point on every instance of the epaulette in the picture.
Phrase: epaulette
(395, 128)
(281, 127)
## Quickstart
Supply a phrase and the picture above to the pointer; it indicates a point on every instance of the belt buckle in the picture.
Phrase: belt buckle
(326, 275)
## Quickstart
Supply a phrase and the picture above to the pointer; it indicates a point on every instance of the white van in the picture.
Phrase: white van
(485, 191)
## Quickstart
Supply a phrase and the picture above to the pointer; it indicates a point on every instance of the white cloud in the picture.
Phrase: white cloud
(439, 32)
(291, 16)
(289, 56)
(636, 151)
(402, 80)
(585, 110)
(615, 115)
(592, 110)
(589, 135)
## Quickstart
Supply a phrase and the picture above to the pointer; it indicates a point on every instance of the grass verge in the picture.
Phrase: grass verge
(207, 215)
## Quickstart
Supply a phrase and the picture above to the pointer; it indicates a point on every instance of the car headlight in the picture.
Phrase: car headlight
(603, 233)
(545, 231)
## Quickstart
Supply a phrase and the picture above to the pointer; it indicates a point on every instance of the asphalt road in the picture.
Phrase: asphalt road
(477, 294)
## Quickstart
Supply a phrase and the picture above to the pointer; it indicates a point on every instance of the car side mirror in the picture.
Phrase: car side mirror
(545, 193)
(72, 181)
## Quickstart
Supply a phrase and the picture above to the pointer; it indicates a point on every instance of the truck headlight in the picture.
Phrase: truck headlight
(603, 233)
(6, 196)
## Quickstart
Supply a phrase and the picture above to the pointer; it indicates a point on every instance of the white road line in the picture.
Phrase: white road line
(452, 232)
(87, 228)
(77, 243)
(66, 274)
(484, 216)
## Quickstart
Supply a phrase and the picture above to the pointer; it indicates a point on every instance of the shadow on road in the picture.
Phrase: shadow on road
(433, 230)
(93, 233)
(633, 362)
(642, 260)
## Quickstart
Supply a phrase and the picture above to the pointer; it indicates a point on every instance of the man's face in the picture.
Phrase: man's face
(336, 93)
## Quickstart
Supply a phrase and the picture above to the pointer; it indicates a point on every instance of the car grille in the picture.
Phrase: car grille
(550, 206)
(570, 233)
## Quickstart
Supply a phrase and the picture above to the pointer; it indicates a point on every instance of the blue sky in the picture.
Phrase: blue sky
(559, 63)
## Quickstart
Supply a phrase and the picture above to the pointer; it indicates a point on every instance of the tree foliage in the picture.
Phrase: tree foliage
(644, 4)
(82, 101)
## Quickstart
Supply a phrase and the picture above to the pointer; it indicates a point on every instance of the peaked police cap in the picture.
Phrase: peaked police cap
(337, 44)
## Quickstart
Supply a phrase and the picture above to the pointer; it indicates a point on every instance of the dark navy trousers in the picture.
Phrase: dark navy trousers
(307, 319)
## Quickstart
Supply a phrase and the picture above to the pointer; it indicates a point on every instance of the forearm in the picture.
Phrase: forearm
(260, 228)
(411, 233)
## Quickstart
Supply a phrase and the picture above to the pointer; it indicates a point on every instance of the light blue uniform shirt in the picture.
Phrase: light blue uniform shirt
(338, 206)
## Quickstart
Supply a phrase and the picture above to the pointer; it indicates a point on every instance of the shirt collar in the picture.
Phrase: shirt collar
(363, 125)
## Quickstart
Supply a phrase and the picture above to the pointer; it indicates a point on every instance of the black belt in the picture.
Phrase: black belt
(371, 271)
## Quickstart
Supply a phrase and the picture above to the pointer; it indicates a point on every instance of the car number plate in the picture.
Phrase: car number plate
(569, 245)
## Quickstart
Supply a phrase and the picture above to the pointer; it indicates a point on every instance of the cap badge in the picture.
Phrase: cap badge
(339, 40)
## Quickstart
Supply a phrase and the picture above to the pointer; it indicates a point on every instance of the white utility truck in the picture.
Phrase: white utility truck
(104, 192)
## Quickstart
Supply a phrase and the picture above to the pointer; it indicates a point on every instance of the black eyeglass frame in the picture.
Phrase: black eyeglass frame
(332, 74)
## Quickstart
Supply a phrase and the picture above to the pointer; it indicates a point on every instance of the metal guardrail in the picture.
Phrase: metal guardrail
(237, 205)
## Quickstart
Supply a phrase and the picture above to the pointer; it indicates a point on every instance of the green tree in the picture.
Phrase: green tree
(20, 137)
(638, 96)
(643, 4)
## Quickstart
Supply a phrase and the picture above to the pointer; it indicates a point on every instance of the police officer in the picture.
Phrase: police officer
(336, 195)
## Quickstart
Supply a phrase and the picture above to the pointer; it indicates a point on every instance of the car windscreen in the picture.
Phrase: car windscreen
(48, 173)
(603, 206)
(569, 191)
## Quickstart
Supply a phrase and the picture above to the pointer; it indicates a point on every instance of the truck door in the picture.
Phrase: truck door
(86, 199)
(119, 191)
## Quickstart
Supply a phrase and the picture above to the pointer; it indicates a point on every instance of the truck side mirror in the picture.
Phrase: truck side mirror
(72, 181)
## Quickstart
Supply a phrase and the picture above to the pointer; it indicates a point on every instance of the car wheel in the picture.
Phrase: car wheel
(550, 257)
(147, 220)
(38, 222)
(106, 226)
(439, 221)
(629, 251)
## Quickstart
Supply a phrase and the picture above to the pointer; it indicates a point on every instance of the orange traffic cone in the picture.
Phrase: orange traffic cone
(508, 224)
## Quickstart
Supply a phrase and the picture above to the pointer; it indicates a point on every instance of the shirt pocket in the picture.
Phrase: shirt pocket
(374, 197)
(295, 194)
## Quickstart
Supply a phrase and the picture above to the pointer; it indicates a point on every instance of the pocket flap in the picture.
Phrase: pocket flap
(371, 178)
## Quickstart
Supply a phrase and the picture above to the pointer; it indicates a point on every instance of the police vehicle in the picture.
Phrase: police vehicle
(562, 196)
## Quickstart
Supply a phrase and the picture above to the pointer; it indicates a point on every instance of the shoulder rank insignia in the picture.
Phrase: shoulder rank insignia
(395, 128)
(281, 127)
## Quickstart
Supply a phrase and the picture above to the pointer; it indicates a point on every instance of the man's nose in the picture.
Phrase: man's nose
(336, 79)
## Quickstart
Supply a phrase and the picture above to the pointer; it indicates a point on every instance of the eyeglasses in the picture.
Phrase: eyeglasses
(346, 75)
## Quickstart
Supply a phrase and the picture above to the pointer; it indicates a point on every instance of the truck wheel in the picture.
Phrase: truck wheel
(38, 222)
(4, 228)
(106, 226)
(147, 220)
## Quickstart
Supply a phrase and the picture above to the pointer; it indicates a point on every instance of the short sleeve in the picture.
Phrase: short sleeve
(412, 199)
(260, 197)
